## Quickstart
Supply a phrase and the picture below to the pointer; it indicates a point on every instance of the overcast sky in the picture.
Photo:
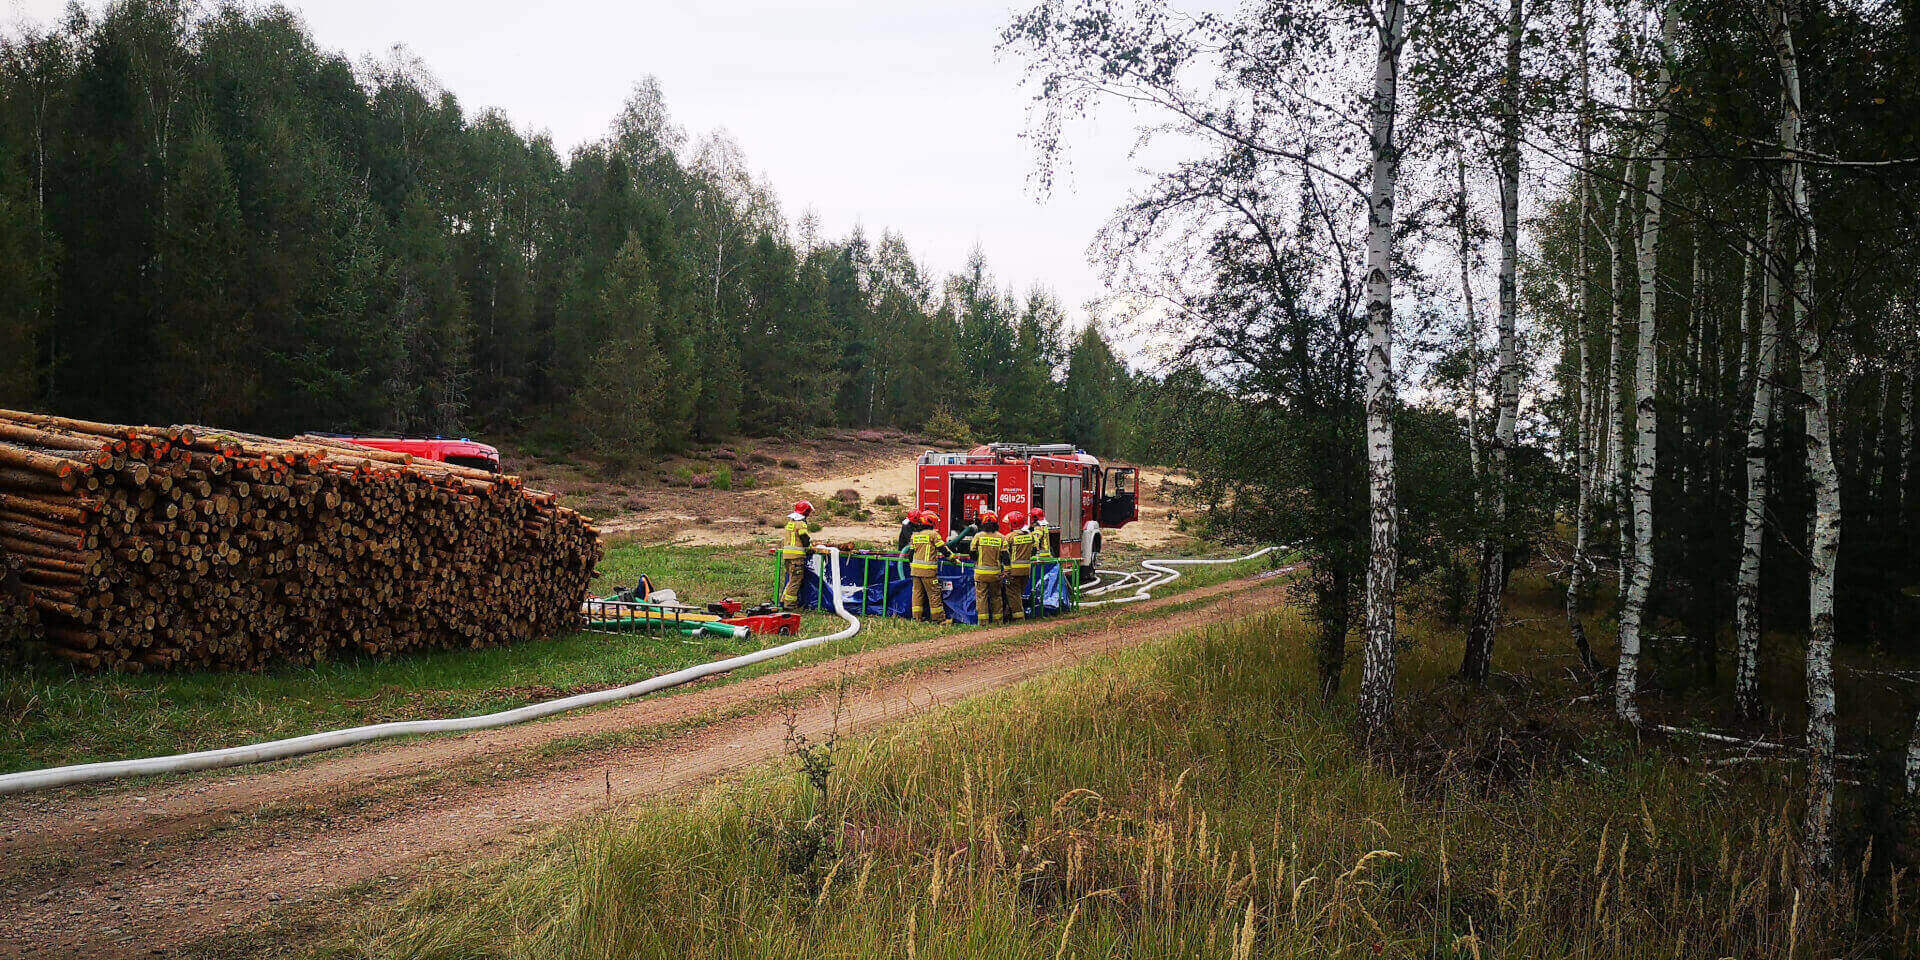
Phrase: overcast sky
(886, 113)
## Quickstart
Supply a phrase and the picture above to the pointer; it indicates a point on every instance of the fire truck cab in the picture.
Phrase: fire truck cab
(1082, 498)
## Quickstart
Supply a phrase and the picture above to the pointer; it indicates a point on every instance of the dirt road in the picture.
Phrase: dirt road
(150, 869)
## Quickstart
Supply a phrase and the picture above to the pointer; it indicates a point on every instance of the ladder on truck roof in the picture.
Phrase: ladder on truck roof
(1029, 450)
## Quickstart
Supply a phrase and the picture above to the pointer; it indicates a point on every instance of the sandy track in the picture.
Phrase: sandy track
(127, 871)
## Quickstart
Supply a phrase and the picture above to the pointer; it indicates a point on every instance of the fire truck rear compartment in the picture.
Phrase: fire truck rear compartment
(967, 494)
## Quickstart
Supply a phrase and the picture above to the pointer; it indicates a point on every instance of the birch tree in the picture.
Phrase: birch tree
(1746, 591)
(1585, 452)
(1645, 409)
(1381, 653)
(1615, 467)
(1825, 547)
(1478, 658)
(1464, 235)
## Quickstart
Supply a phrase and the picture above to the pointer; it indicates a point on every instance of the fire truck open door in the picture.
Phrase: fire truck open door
(1119, 499)
(968, 494)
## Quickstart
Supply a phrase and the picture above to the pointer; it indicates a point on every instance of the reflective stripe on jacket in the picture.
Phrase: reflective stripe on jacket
(1020, 551)
(795, 544)
(1043, 532)
(987, 549)
(923, 548)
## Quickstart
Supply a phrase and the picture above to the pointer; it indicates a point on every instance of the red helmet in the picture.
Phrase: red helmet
(803, 508)
(1038, 515)
(988, 516)
(1016, 518)
(929, 518)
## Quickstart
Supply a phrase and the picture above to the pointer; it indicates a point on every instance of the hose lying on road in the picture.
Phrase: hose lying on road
(333, 739)
(1162, 573)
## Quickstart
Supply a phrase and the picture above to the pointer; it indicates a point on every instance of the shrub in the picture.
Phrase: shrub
(683, 475)
(790, 464)
(847, 495)
(886, 500)
(943, 425)
(723, 477)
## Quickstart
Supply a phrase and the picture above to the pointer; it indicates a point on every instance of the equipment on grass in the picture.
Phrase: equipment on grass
(774, 624)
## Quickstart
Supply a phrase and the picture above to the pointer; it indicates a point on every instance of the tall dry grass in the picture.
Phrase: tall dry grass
(1184, 800)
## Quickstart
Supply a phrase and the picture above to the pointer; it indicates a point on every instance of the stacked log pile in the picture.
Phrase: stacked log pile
(18, 618)
(145, 548)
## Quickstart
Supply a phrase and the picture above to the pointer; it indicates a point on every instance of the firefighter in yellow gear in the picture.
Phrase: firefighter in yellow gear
(795, 544)
(924, 550)
(989, 552)
(1044, 549)
(1020, 552)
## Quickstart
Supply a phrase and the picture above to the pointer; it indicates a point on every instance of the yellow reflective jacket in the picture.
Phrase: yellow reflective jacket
(924, 547)
(988, 548)
(795, 544)
(1020, 552)
(1043, 533)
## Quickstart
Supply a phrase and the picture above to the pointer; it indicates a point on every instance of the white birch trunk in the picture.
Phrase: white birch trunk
(1746, 590)
(1381, 655)
(1691, 384)
(1824, 549)
(1747, 318)
(1486, 625)
(1582, 301)
(1906, 432)
(1886, 442)
(1645, 413)
(1473, 326)
(1617, 413)
(1913, 759)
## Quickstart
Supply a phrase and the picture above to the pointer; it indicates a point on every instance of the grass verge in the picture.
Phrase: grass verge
(54, 715)
(1188, 798)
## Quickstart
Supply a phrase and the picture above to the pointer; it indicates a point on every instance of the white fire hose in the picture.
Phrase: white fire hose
(333, 739)
(1154, 574)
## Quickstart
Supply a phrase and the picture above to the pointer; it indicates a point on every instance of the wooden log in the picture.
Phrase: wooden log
(30, 436)
(90, 661)
(20, 482)
(46, 464)
(65, 511)
(73, 540)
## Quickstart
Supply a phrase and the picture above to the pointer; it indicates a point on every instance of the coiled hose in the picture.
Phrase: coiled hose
(333, 739)
(1154, 574)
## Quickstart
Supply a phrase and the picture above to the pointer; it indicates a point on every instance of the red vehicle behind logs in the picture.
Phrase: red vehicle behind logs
(460, 453)
(1082, 499)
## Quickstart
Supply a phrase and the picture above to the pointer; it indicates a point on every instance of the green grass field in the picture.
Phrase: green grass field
(56, 716)
(1191, 798)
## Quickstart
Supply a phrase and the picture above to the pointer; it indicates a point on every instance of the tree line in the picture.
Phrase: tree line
(206, 217)
(1624, 285)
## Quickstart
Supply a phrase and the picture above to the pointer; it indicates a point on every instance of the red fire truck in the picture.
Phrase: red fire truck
(460, 453)
(1082, 499)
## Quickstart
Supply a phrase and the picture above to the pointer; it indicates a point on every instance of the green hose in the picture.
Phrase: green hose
(727, 630)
